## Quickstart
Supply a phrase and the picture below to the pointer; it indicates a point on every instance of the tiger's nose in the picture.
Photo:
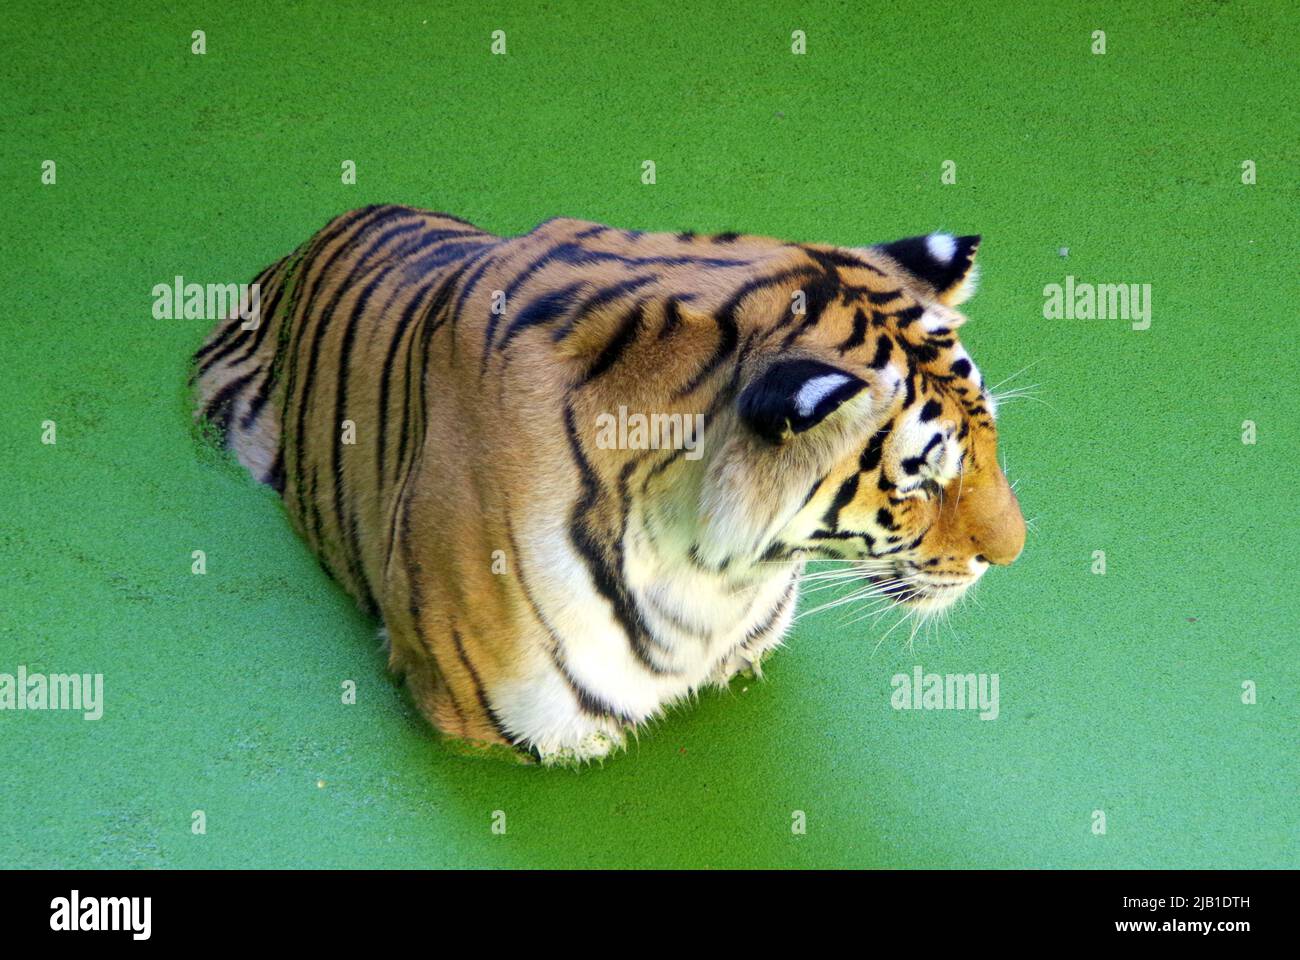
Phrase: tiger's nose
(1000, 539)
(994, 526)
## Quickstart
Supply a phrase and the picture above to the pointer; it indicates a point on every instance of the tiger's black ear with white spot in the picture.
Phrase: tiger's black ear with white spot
(944, 262)
(793, 396)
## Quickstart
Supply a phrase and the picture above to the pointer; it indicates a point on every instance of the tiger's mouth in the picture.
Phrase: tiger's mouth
(921, 593)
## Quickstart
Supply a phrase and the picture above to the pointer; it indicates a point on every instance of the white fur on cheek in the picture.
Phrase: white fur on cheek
(959, 353)
(937, 317)
(941, 246)
(816, 390)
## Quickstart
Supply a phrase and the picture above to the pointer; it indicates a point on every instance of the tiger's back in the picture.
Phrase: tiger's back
(343, 319)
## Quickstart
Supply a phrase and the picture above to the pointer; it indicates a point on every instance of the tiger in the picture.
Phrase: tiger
(431, 402)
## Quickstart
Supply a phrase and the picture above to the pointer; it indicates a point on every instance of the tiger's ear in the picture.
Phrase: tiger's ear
(944, 262)
(793, 396)
(796, 419)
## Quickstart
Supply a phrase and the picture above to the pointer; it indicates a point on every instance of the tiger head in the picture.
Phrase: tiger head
(864, 432)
